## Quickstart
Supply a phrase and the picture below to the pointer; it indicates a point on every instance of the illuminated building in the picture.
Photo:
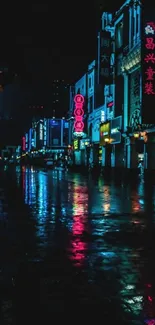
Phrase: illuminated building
(121, 90)
(47, 136)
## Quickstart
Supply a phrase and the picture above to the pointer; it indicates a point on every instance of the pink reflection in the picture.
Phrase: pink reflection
(78, 226)
(150, 322)
(78, 251)
(78, 246)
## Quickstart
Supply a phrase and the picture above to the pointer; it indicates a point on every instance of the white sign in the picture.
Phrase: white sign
(102, 116)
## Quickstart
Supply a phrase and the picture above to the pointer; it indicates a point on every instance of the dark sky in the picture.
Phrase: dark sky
(45, 41)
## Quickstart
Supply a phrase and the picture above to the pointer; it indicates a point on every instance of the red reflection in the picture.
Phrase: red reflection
(149, 304)
(135, 203)
(150, 298)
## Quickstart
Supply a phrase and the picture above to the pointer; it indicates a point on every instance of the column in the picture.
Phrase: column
(125, 109)
(133, 157)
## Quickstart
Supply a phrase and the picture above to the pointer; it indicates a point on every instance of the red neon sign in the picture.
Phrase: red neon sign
(110, 104)
(79, 113)
(149, 79)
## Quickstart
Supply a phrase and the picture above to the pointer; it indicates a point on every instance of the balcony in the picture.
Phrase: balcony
(132, 59)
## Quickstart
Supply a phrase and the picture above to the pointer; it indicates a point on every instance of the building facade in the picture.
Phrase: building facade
(47, 137)
(120, 93)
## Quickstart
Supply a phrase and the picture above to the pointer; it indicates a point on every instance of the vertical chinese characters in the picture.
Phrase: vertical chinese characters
(78, 113)
(149, 59)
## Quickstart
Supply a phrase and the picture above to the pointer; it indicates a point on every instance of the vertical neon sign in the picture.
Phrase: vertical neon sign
(148, 64)
(149, 86)
(79, 113)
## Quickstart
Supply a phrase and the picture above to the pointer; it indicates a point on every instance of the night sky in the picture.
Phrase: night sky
(44, 41)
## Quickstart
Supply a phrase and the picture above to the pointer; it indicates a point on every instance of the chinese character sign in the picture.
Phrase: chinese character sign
(78, 113)
(148, 67)
(105, 56)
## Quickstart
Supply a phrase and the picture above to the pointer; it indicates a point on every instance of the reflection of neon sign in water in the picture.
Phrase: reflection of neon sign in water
(78, 113)
(78, 246)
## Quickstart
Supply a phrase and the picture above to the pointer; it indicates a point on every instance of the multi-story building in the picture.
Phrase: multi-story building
(47, 136)
(120, 92)
(60, 97)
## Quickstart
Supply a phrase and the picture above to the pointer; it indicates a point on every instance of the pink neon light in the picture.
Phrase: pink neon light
(149, 88)
(150, 73)
(78, 113)
(150, 45)
(150, 58)
(78, 126)
(79, 99)
(110, 104)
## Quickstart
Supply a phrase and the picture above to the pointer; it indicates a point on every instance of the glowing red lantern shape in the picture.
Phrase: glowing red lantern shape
(78, 113)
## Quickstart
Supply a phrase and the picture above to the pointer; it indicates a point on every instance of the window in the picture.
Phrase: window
(119, 35)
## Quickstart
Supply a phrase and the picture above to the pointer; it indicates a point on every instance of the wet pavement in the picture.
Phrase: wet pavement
(75, 245)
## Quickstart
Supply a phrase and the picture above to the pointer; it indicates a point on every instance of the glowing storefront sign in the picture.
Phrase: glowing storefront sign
(102, 116)
(104, 133)
(76, 144)
(78, 113)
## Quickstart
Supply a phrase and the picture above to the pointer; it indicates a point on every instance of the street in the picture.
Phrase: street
(74, 244)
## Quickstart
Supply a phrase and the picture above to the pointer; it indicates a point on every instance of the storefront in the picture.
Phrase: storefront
(117, 156)
(105, 144)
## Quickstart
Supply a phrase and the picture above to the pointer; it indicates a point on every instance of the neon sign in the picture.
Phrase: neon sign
(41, 132)
(23, 143)
(148, 64)
(79, 113)
(149, 43)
